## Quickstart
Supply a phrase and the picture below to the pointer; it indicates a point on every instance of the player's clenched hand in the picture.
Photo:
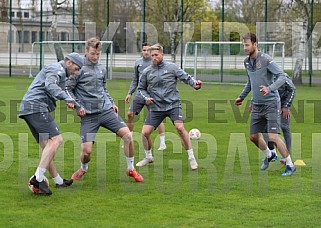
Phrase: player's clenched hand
(71, 105)
(149, 101)
(264, 90)
(198, 84)
(115, 108)
(127, 98)
(286, 113)
(238, 101)
(81, 112)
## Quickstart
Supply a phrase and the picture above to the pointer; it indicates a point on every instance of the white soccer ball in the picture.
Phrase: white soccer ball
(194, 134)
(35, 189)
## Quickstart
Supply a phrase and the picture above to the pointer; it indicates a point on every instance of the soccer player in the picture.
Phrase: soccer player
(97, 109)
(287, 93)
(261, 70)
(36, 105)
(158, 87)
(138, 102)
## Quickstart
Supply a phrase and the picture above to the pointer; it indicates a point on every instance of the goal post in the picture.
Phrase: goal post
(48, 54)
(211, 60)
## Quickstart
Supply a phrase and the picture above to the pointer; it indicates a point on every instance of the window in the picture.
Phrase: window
(19, 14)
(12, 14)
(19, 37)
(4, 13)
(63, 36)
(26, 14)
(33, 36)
(26, 37)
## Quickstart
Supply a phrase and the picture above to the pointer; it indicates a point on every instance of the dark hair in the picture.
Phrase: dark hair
(146, 44)
(250, 36)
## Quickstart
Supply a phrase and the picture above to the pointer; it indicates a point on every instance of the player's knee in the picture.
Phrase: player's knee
(180, 129)
(274, 137)
(146, 132)
(57, 140)
(253, 138)
(127, 137)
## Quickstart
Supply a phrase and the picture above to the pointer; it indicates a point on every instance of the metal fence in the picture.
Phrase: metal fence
(128, 23)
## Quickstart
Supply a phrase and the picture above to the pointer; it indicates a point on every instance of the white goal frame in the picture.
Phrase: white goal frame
(53, 57)
(197, 43)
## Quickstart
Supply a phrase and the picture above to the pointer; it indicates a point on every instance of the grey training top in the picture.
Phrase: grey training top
(140, 65)
(160, 83)
(47, 87)
(262, 71)
(88, 87)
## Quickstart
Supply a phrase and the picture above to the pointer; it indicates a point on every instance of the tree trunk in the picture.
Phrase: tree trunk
(173, 55)
(57, 46)
(297, 71)
(53, 29)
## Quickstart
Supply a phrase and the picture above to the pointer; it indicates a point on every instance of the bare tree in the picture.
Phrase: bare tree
(161, 11)
(300, 9)
(57, 6)
(4, 9)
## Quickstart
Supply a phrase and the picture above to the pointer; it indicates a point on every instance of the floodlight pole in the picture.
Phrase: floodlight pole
(10, 36)
(40, 37)
(310, 44)
(107, 31)
(222, 39)
(182, 32)
(142, 33)
(265, 24)
(73, 25)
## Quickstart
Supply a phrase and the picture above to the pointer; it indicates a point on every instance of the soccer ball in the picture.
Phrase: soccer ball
(35, 189)
(194, 134)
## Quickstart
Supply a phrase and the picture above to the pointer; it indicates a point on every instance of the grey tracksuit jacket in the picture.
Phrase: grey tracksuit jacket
(47, 87)
(140, 65)
(263, 71)
(88, 87)
(160, 83)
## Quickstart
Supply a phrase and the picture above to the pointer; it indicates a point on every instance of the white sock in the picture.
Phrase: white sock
(40, 173)
(267, 152)
(84, 166)
(190, 153)
(162, 139)
(130, 163)
(148, 154)
(58, 179)
(288, 161)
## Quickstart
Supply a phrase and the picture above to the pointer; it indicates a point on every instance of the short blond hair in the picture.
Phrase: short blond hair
(93, 42)
(157, 47)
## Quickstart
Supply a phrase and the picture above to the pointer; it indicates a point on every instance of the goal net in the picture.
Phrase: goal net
(45, 52)
(222, 62)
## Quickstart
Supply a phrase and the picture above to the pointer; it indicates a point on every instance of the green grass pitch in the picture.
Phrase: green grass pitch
(228, 189)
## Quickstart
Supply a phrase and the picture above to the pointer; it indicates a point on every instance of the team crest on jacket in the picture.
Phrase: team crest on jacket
(258, 65)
